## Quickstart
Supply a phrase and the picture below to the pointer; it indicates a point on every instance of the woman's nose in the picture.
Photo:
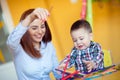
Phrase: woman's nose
(39, 30)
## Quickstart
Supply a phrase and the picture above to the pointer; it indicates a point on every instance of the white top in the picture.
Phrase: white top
(29, 68)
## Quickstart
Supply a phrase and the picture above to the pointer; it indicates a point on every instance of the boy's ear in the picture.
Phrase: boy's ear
(91, 36)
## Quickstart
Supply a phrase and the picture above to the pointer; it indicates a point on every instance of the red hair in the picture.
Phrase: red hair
(26, 40)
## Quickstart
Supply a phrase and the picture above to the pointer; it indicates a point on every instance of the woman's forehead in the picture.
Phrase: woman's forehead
(37, 22)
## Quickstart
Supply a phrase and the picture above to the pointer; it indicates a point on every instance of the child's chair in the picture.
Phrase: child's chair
(107, 58)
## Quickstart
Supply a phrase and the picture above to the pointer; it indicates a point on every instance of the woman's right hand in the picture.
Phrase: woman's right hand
(38, 13)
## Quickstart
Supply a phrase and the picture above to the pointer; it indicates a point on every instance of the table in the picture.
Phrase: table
(113, 76)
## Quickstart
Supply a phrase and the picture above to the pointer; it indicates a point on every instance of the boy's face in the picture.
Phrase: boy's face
(81, 38)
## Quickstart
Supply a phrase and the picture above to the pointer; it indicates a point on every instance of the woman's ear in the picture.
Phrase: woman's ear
(91, 36)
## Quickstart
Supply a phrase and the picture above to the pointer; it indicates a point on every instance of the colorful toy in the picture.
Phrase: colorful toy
(91, 75)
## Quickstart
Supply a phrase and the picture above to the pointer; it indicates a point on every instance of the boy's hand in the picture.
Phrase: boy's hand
(61, 66)
(90, 65)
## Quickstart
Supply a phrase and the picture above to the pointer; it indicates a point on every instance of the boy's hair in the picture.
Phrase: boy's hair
(81, 24)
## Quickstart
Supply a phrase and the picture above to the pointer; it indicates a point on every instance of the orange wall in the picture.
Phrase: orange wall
(106, 23)
(63, 14)
(17, 7)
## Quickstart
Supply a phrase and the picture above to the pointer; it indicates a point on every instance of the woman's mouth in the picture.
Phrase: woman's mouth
(38, 37)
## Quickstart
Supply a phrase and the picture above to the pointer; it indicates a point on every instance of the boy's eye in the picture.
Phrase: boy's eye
(74, 40)
(81, 38)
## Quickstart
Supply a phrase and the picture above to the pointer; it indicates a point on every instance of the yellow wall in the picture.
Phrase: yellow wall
(63, 14)
(106, 22)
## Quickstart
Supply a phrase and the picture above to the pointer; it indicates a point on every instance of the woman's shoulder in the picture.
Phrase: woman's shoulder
(48, 44)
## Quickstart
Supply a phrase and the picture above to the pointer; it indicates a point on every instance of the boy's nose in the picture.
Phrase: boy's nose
(78, 41)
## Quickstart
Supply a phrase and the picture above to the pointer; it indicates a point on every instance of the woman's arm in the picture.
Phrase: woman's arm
(14, 38)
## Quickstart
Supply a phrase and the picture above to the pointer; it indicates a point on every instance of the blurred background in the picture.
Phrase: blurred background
(104, 16)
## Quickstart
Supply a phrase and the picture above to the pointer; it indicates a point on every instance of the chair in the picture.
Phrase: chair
(107, 58)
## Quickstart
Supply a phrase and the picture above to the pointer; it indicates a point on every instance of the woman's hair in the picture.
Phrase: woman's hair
(81, 24)
(26, 40)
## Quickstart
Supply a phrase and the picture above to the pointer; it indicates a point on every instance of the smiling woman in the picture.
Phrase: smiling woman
(34, 54)
(37, 31)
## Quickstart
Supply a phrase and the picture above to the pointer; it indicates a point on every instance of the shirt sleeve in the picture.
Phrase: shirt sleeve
(98, 56)
(70, 58)
(55, 65)
(14, 38)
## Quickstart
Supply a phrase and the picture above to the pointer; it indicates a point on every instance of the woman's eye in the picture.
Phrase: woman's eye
(42, 26)
(34, 28)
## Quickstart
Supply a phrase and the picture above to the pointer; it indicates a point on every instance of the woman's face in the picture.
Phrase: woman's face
(37, 30)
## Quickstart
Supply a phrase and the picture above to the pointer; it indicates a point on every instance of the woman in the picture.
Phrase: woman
(30, 43)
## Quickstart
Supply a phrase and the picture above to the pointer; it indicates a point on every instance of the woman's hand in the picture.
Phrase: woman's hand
(38, 13)
(90, 65)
